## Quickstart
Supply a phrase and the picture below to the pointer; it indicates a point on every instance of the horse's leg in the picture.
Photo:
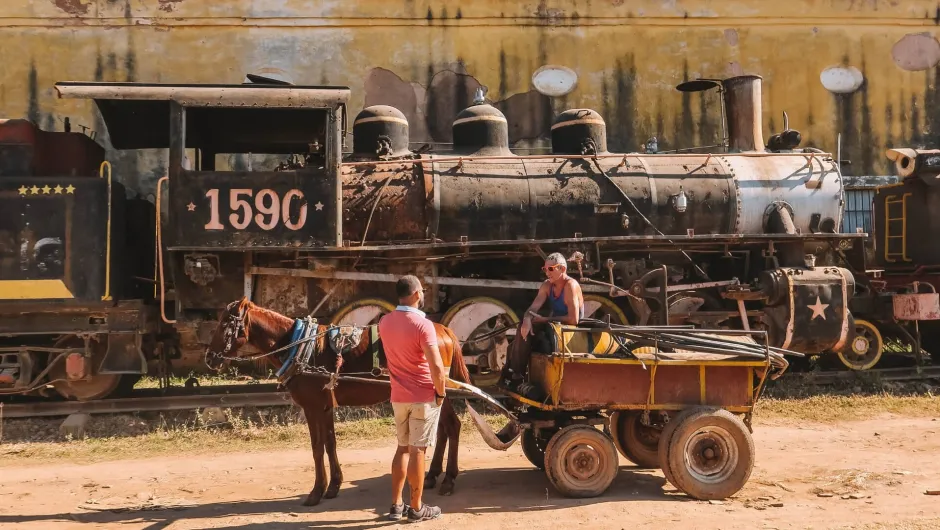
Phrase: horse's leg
(314, 414)
(336, 472)
(437, 460)
(451, 424)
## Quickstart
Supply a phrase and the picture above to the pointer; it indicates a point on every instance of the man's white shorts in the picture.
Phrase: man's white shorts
(416, 423)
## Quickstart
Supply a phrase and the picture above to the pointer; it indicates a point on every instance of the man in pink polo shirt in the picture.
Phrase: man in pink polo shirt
(417, 379)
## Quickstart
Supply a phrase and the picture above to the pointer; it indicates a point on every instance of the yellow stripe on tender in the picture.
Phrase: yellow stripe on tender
(33, 289)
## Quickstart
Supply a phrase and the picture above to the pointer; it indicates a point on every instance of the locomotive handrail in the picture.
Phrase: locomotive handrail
(107, 259)
(160, 251)
(472, 158)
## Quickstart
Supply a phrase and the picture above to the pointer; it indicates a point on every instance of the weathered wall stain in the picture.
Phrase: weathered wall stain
(431, 111)
(168, 5)
(73, 7)
(529, 115)
(428, 57)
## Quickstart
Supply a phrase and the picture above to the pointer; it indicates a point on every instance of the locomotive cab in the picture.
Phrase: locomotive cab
(66, 237)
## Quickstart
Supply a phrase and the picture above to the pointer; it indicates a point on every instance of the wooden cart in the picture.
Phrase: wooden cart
(685, 412)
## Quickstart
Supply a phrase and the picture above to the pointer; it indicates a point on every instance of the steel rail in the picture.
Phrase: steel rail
(265, 395)
(882, 374)
(149, 400)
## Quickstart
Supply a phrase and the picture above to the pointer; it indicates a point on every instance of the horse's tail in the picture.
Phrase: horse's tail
(458, 369)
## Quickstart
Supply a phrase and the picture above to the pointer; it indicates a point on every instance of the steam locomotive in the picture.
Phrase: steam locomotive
(743, 238)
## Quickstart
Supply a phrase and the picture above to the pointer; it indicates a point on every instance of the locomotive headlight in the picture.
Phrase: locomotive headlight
(682, 201)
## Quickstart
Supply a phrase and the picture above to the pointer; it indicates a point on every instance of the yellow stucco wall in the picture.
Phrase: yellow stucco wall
(628, 55)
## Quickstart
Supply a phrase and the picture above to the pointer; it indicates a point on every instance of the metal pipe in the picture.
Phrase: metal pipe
(494, 158)
(335, 160)
(160, 253)
(391, 278)
(107, 256)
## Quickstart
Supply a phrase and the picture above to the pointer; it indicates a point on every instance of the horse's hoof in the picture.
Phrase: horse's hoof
(430, 481)
(331, 493)
(447, 487)
(312, 500)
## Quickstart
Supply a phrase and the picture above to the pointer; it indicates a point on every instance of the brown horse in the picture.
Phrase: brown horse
(243, 322)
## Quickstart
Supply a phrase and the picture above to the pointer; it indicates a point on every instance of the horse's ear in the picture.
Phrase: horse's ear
(243, 306)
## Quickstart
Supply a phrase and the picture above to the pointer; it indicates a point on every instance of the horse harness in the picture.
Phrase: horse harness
(305, 344)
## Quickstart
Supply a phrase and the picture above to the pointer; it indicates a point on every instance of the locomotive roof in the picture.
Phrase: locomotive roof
(250, 117)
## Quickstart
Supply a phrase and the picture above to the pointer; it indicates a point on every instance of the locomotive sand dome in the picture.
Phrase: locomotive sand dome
(380, 131)
(579, 132)
(481, 130)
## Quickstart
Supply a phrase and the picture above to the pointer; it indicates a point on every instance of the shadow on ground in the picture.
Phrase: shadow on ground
(364, 503)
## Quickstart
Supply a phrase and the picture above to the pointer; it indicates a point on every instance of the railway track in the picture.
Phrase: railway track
(912, 373)
(266, 395)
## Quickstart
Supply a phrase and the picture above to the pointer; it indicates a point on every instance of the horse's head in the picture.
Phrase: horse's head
(230, 335)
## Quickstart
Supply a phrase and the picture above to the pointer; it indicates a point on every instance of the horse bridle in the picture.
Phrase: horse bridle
(233, 328)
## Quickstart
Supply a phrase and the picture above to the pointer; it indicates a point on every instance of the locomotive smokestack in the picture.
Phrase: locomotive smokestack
(743, 109)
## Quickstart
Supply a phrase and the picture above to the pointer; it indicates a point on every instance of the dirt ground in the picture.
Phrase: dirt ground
(859, 474)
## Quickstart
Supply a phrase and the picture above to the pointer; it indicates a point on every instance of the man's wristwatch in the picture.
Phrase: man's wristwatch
(438, 395)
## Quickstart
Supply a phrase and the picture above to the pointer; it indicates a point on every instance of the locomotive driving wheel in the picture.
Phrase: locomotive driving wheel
(76, 387)
(637, 443)
(363, 312)
(598, 307)
(481, 316)
(866, 348)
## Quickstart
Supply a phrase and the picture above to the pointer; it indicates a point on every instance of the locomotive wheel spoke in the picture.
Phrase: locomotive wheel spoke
(476, 317)
(363, 312)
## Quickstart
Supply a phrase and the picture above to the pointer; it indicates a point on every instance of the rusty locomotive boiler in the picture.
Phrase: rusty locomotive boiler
(263, 200)
(726, 237)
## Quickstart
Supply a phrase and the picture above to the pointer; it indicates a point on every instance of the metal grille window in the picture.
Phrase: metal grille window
(859, 193)
(857, 213)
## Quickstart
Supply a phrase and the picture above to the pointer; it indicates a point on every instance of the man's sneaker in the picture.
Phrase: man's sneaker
(427, 512)
(397, 511)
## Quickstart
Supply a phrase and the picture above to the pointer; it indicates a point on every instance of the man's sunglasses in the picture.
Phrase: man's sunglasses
(551, 268)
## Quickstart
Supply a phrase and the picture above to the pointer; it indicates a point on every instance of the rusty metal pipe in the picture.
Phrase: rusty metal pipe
(555, 158)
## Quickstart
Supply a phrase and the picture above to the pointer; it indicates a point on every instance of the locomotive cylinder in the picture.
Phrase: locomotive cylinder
(807, 308)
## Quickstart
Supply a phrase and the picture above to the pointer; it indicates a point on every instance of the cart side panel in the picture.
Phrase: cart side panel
(728, 386)
(601, 384)
(677, 385)
(585, 384)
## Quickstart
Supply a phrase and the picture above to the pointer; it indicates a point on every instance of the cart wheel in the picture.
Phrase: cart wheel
(581, 461)
(533, 447)
(662, 450)
(637, 443)
(711, 454)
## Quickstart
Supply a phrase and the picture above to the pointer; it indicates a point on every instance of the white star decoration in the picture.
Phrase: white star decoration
(819, 309)
(318, 206)
(191, 207)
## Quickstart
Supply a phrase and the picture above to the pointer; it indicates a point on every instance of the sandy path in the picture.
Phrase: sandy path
(892, 460)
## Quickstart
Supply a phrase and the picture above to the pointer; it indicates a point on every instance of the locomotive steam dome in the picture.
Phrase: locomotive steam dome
(380, 130)
(579, 132)
(482, 130)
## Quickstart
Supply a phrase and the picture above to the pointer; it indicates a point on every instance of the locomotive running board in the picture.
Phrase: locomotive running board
(491, 438)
